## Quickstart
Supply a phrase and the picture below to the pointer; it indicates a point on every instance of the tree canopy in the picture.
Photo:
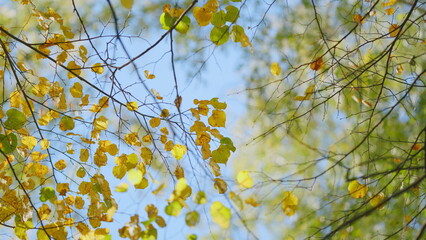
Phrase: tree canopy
(100, 138)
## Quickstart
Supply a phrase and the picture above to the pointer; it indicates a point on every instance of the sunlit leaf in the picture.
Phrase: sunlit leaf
(357, 190)
(221, 215)
(394, 30)
(275, 69)
(127, 3)
(377, 199)
(173, 209)
(97, 67)
(122, 187)
(217, 119)
(178, 151)
(74, 69)
(149, 75)
(154, 122)
(317, 64)
(220, 35)
(289, 204)
(134, 176)
(202, 15)
(244, 179)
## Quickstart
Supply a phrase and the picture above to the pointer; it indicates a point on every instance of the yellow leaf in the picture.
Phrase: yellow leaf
(164, 113)
(220, 185)
(217, 119)
(82, 51)
(179, 173)
(275, 69)
(79, 202)
(289, 204)
(169, 145)
(62, 57)
(156, 191)
(132, 106)
(62, 188)
(55, 90)
(84, 154)
(399, 69)
(358, 18)
(390, 3)
(178, 151)
(76, 90)
(146, 155)
(38, 156)
(97, 68)
(134, 176)
(29, 142)
(154, 122)
(156, 94)
(202, 15)
(251, 201)
(74, 69)
(62, 105)
(22, 67)
(221, 215)
(317, 64)
(15, 99)
(357, 190)
(132, 139)
(44, 144)
(122, 187)
(376, 200)
(60, 165)
(100, 123)
(244, 179)
(390, 11)
(394, 30)
(127, 3)
(300, 98)
(212, 5)
(148, 75)
(84, 100)
(42, 88)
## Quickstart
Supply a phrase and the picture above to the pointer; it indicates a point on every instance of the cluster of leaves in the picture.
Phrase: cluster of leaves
(74, 138)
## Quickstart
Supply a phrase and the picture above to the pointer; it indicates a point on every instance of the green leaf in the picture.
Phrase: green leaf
(166, 21)
(218, 19)
(192, 237)
(8, 143)
(132, 160)
(173, 209)
(219, 36)
(232, 14)
(221, 154)
(149, 234)
(15, 120)
(221, 215)
(66, 123)
(47, 193)
(200, 198)
(228, 142)
(183, 25)
(192, 218)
